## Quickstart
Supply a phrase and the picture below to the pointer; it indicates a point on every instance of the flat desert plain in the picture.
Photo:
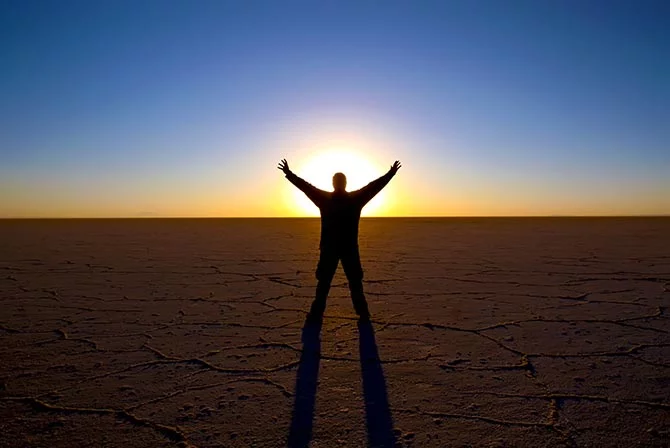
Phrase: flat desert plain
(485, 332)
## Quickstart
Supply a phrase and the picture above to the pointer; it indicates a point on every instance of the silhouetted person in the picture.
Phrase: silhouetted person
(340, 213)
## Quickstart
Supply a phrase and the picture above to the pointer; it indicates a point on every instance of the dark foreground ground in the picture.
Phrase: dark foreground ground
(485, 332)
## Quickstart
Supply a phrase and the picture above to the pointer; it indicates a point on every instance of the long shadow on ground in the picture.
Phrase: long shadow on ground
(305, 387)
(377, 411)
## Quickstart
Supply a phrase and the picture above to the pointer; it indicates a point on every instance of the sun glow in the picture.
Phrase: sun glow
(319, 169)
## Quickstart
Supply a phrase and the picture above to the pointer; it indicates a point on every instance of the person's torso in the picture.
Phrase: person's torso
(340, 214)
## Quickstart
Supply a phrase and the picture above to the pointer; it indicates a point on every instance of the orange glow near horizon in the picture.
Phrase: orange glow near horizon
(319, 169)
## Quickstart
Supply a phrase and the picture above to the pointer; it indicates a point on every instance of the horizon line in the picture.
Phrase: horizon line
(27, 218)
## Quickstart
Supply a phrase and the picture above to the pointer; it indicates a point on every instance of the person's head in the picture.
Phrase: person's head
(339, 182)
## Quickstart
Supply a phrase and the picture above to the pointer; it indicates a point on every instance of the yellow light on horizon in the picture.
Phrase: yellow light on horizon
(319, 169)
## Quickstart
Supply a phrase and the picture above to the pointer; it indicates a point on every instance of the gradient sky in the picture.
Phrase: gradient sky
(183, 108)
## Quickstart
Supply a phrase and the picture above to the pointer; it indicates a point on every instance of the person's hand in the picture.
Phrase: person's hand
(395, 167)
(283, 165)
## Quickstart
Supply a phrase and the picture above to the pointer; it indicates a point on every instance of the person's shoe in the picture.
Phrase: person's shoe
(364, 319)
(363, 315)
(317, 307)
(314, 318)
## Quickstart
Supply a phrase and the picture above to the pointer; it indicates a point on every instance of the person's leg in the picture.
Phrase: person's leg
(325, 271)
(351, 262)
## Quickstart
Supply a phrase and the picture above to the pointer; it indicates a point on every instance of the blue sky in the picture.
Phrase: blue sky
(178, 108)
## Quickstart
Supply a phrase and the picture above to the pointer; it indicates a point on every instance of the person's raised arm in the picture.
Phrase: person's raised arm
(369, 191)
(313, 193)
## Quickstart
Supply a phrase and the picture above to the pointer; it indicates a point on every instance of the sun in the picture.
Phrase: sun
(318, 170)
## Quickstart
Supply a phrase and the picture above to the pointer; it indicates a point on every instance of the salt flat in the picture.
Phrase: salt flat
(485, 332)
